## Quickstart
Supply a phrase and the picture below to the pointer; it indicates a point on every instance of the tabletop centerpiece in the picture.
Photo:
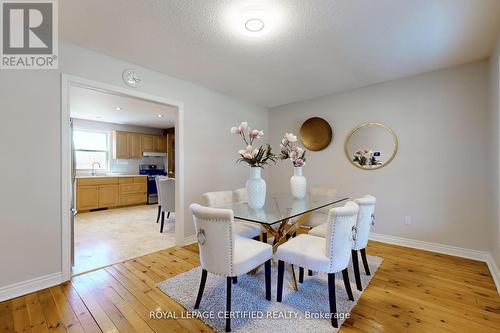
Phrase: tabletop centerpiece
(256, 158)
(291, 150)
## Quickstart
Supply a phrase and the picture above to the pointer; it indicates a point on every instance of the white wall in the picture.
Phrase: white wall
(440, 176)
(495, 147)
(30, 221)
(122, 166)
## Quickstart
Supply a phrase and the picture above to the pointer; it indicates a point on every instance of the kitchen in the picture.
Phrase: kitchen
(120, 146)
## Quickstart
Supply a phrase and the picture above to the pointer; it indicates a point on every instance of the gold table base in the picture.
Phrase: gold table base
(281, 235)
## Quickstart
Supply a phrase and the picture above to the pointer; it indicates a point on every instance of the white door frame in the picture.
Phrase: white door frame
(67, 81)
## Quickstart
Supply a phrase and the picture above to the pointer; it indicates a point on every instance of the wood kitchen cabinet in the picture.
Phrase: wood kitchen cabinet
(120, 145)
(108, 196)
(126, 145)
(134, 146)
(160, 144)
(130, 145)
(108, 192)
(87, 198)
(170, 134)
(147, 142)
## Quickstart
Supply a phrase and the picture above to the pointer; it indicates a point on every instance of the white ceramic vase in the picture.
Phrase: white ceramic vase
(256, 189)
(298, 183)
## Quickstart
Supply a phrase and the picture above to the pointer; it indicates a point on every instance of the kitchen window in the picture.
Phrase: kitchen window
(90, 147)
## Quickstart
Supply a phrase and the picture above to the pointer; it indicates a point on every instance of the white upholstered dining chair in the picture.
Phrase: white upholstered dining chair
(167, 198)
(319, 216)
(224, 253)
(364, 221)
(327, 255)
(157, 183)
(240, 195)
(241, 228)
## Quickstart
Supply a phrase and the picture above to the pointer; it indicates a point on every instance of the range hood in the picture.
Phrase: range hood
(153, 154)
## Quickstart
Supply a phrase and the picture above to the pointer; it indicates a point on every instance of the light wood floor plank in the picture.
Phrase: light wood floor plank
(35, 312)
(413, 291)
(6, 319)
(88, 322)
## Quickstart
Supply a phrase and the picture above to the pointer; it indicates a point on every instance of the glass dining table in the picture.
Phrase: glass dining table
(282, 215)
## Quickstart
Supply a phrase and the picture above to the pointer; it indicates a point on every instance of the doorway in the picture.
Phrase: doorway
(119, 141)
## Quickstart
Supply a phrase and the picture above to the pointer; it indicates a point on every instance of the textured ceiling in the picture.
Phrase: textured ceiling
(313, 48)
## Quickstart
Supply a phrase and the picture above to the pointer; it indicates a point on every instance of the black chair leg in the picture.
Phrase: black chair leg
(159, 213)
(202, 287)
(281, 270)
(309, 272)
(331, 297)
(264, 237)
(162, 221)
(267, 268)
(168, 215)
(235, 279)
(355, 265)
(301, 274)
(228, 304)
(365, 261)
(347, 284)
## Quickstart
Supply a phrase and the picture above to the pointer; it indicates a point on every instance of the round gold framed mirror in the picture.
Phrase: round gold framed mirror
(371, 146)
(316, 134)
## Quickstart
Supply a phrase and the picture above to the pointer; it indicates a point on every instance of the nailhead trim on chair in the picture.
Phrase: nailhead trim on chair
(231, 250)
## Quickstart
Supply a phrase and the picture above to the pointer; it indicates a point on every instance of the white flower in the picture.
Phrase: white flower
(235, 130)
(291, 137)
(284, 142)
(243, 126)
(299, 162)
(256, 134)
(249, 152)
(293, 155)
(299, 151)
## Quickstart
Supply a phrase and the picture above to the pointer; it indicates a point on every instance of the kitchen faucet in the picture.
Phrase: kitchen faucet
(93, 168)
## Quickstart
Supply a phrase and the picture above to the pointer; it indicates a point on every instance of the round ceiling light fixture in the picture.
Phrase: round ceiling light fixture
(254, 25)
(255, 22)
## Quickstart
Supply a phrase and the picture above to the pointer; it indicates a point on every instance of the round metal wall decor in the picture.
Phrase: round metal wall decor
(316, 134)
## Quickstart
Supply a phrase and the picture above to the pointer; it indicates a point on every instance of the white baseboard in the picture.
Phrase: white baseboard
(444, 249)
(495, 272)
(190, 240)
(29, 286)
(433, 247)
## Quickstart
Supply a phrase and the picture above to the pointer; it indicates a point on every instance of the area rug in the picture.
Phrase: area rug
(305, 310)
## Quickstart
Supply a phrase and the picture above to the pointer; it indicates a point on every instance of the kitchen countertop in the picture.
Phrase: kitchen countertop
(109, 176)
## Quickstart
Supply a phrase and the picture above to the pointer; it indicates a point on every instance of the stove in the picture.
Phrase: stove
(152, 171)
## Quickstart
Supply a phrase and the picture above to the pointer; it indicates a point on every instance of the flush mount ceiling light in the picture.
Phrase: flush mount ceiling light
(160, 116)
(255, 21)
(254, 25)
(118, 108)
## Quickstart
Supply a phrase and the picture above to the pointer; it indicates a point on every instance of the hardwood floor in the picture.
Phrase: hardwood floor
(413, 291)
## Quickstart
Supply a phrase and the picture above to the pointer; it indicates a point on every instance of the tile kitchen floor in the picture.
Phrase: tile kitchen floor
(106, 237)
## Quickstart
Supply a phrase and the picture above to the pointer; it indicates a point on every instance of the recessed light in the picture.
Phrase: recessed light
(254, 25)
(118, 108)
(160, 116)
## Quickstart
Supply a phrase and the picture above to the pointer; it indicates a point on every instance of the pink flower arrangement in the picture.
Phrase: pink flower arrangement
(255, 157)
(290, 150)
